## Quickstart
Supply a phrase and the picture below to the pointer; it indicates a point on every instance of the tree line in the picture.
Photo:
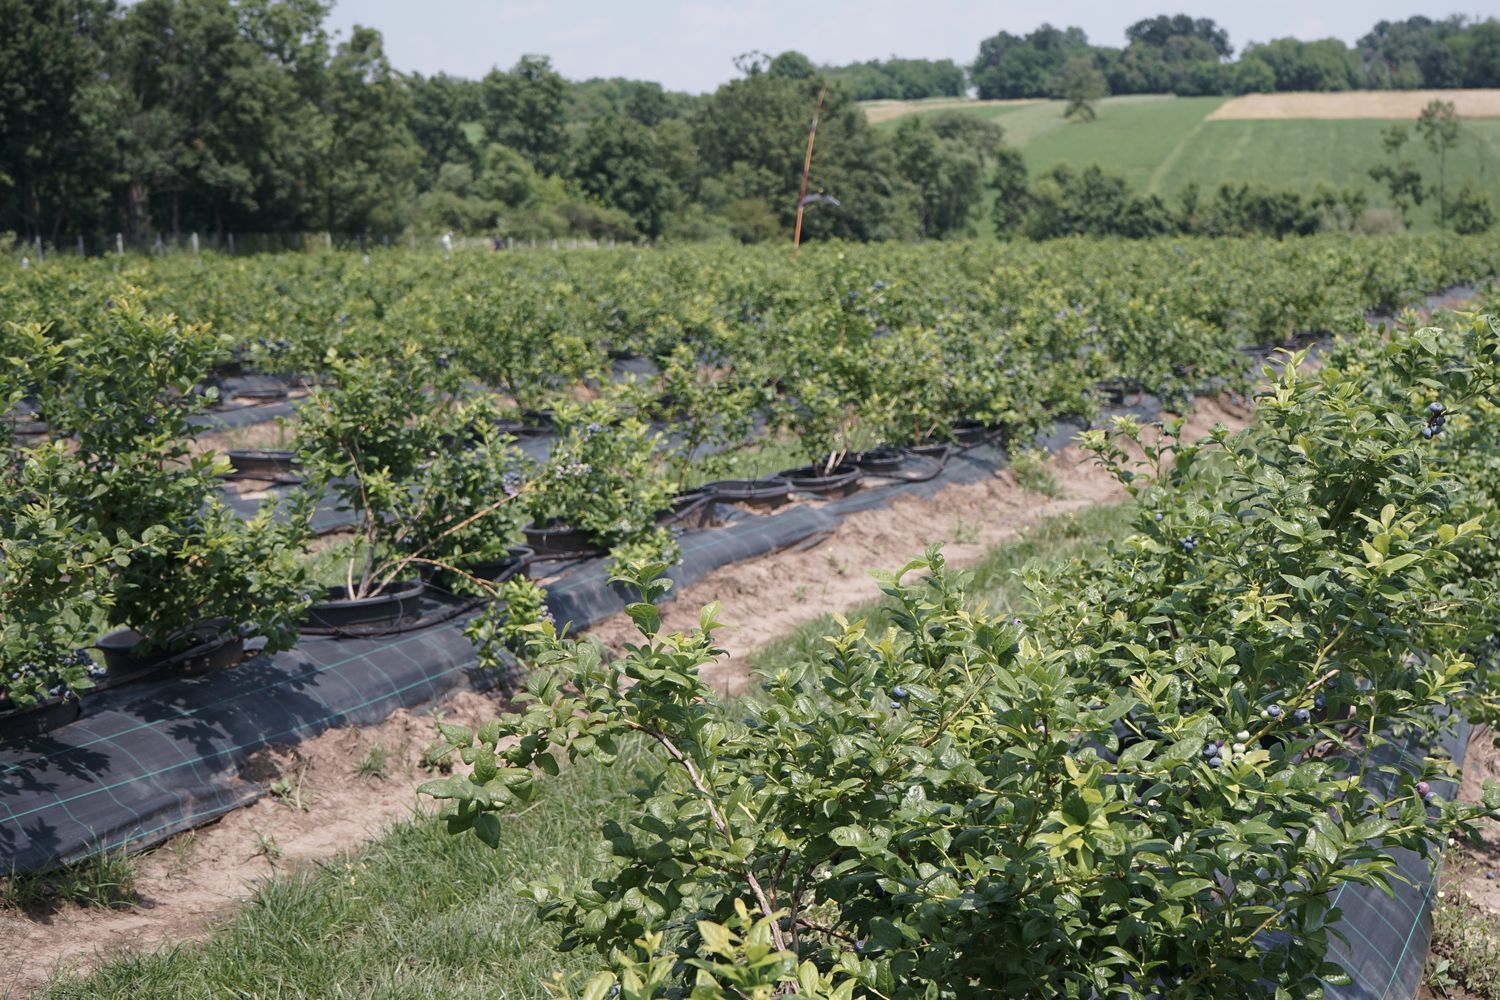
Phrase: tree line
(1193, 56)
(225, 116)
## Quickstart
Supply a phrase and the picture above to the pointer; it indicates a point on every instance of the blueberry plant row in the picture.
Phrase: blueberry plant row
(1151, 785)
(420, 366)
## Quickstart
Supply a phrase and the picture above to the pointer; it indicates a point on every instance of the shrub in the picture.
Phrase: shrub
(604, 475)
(124, 392)
(430, 477)
(1139, 789)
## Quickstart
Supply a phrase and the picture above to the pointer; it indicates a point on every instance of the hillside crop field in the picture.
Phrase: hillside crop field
(1163, 144)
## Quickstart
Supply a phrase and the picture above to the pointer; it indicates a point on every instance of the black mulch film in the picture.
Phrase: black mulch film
(150, 760)
(1385, 938)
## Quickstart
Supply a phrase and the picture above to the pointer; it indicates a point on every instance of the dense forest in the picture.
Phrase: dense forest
(247, 116)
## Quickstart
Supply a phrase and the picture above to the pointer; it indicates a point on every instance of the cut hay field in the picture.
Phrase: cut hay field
(1297, 141)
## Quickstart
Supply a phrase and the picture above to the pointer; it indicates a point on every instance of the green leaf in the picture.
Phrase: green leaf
(487, 828)
(716, 938)
(1132, 755)
(599, 987)
(647, 619)
(459, 736)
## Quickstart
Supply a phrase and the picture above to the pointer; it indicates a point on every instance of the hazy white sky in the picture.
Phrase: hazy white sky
(689, 44)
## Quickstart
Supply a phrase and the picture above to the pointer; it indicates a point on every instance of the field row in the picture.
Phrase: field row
(421, 369)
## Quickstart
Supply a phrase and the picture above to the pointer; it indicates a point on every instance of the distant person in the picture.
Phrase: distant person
(448, 243)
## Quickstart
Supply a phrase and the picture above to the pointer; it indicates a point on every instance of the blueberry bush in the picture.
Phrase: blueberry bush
(1150, 785)
(180, 557)
(608, 475)
(424, 467)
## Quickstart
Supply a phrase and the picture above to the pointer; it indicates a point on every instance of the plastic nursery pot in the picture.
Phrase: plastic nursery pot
(398, 602)
(840, 481)
(930, 448)
(263, 464)
(512, 564)
(761, 493)
(261, 392)
(211, 646)
(557, 539)
(969, 432)
(878, 461)
(18, 723)
(535, 423)
(24, 425)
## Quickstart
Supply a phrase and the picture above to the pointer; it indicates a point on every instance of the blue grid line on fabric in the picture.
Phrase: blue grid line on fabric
(313, 670)
(258, 741)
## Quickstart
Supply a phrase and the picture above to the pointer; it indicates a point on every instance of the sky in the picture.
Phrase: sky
(691, 44)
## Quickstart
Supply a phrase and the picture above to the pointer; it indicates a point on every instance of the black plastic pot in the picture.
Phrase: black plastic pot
(878, 461)
(260, 393)
(213, 646)
(557, 539)
(263, 464)
(18, 723)
(514, 563)
(969, 432)
(535, 423)
(690, 509)
(761, 493)
(930, 449)
(397, 603)
(840, 481)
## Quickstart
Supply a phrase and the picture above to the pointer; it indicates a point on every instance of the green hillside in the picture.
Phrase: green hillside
(1161, 144)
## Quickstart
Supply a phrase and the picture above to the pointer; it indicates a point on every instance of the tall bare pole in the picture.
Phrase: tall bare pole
(812, 134)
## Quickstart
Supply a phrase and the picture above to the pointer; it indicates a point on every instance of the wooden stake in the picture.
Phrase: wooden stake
(812, 134)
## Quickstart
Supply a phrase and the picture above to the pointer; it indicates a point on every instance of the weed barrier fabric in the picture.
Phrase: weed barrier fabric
(1386, 937)
(152, 759)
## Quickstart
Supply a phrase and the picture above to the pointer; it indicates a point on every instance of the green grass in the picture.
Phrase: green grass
(1134, 139)
(423, 914)
(1465, 939)
(1162, 144)
(103, 881)
(417, 914)
(1300, 153)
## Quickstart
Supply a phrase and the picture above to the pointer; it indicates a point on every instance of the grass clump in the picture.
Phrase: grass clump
(105, 880)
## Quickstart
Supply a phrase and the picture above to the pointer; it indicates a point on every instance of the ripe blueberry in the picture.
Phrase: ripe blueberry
(1274, 711)
(1301, 716)
(898, 692)
(1436, 409)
